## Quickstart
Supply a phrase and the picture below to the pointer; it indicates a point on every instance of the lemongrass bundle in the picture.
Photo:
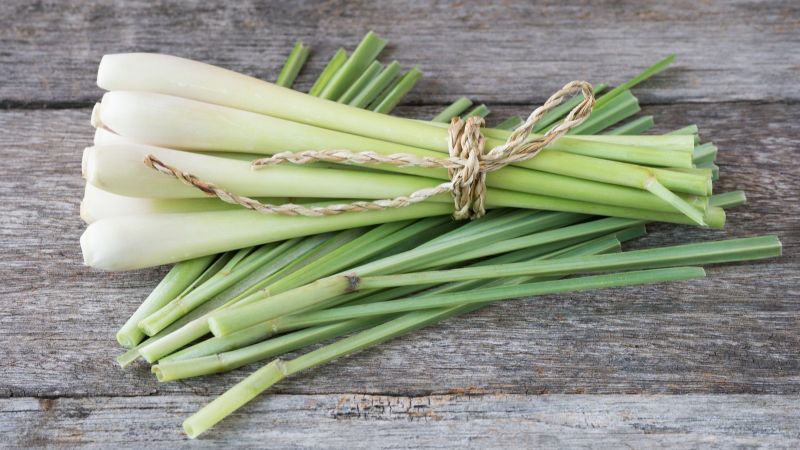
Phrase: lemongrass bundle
(253, 286)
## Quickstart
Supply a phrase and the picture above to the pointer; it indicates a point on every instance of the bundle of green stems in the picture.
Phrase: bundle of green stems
(250, 287)
(210, 122)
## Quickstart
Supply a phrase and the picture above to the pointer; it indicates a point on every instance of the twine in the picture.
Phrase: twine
(467, 165)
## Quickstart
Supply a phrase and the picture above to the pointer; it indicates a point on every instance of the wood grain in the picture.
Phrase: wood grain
(726, 51)
(512, 375)
(441, 421)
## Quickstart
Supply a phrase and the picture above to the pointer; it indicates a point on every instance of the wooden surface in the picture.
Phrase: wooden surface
(708, 363)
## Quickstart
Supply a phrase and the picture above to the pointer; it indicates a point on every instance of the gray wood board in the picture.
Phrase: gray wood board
(511, 52)
(440, 421)
(735, 332)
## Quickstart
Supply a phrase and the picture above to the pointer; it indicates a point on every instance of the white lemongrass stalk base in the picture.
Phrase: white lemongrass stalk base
(120, 169)
(99, 204)
(139, 241)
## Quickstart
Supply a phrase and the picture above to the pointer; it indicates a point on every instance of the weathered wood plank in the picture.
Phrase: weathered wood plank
(442, 421)
(735, 332)
(726, 50)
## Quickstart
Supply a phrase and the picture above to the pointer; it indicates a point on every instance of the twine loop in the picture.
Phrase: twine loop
(467, 164)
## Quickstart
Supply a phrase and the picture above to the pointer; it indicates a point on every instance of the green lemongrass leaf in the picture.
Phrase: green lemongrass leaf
(141, 111)
(728, 199)
(561, 110)
(665, 194)
(502, 293)
(366, 52)
(376, 86)
(336, 62)
(512, 123)
(358, 86)
(297, 58)
(452, 110)
(647, 73)
(244, 347)
(228, 321)
(183, 304)
(386, 103)
(704, 153)
(259, 381)
(622, 107)
(176, 281)
(481, 111)
(636, 126)
(689, 129)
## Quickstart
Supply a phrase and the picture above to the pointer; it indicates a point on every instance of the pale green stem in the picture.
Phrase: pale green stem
(297, 58)
(454, 109)
(333, 66)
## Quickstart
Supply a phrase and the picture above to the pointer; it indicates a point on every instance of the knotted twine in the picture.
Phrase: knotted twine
(467, 165)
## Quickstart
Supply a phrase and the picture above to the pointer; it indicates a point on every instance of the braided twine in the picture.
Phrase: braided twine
(467, 165)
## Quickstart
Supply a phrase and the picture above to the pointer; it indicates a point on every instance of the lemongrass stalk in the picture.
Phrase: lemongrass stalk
(713, 167)
(574, 247)
(443, 248)
(386, 102)
(359, 249)
(98, 204)
(639, 155)
(256, 383)
(130, 242)
(724, 251)
(636, 126)
(235, 271)
(510, 177)
(480, 111)
(120, 169)
(180, 123)
(704, 153)
(194, 80)
(188, 362)
(194, 325)
(297, 58)
(219, 263)
(177, 279)
(585, 230)
(506, 227)
(180, 369)
(183, 362)
(358, 86)
(501, 293)
(198, 326)
(239, 317)
(728, 199)
(369, 244)
(376, 86)
(336, 62)
(687, 130)
(561, 110)
(334, 256)
(647, 73)
(452, 110)
(620, 108)
(366, 52)
(510, 124)
(103, 136)
(197, 360)
(331, 245)
(288, 251)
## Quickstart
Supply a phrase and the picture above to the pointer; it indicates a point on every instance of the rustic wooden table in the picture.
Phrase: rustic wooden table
(708, 363)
